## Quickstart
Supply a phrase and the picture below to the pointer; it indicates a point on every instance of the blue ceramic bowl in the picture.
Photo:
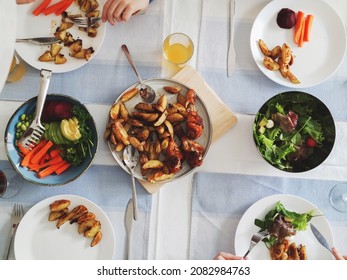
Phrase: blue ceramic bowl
(73, 172)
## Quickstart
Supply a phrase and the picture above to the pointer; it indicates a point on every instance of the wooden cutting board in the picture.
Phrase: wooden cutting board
(222, 118)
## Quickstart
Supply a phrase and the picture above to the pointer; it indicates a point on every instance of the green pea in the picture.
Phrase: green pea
(17, 135)
(23, 127)
(22, 117)
(18, 124)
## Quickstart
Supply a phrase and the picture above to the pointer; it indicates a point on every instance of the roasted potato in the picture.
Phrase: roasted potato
(55, 215)
(59, 205)
(263, 47)
(85, 216)
(97, 238)
(93, 230)
(270, 64)
(159, 176)
(120, 133)
(85, 225)
(161, 103)
(144, 107)
(153, 164)
(150, 117)
(172, 89)
(129, 94)
(60, 59)
(161, 119)
(55, 49)
(115, 109)
(46, 57)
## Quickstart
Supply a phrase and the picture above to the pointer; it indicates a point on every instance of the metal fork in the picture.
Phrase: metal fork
(256, 238)
(32, 135)
(17, 215)
(85, 21)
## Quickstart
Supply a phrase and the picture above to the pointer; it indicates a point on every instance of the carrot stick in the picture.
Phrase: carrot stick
(26, 160)
(308, 26)
(50, 169)
(298, 26)
(62, 168)
(52, 161)
(41, 7)
(63, 8)
(22, 149)
(54, 153)
(54, 7)
(36, 158)
(301, 39)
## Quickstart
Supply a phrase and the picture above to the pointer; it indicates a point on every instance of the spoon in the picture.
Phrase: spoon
(146, 92)
(131, 158)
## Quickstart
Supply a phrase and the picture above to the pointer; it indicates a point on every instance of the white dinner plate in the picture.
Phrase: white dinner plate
(246, 228)
(29, 26)
(318, 59)
(39, 239)
(8, 25)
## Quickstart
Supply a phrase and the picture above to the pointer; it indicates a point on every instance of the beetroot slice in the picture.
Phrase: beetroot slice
(62, 110)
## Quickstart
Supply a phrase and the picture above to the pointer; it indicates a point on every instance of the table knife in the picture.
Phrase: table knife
(40, 40)
(231, 52)
(128, 222)
(321, 239)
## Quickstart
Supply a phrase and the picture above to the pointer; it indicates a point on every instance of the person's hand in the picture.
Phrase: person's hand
(24, 1)
(121, 10)
(227, 256)
(337, 255)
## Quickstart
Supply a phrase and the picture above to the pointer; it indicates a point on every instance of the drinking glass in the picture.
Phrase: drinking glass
(178, 48)
(10, 182)
(338, 197)
(17, 70)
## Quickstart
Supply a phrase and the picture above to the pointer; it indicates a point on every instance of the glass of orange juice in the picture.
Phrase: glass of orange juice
(178, 48)
(16, 71)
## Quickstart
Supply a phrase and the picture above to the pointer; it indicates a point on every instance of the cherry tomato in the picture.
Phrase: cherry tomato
(310, 142)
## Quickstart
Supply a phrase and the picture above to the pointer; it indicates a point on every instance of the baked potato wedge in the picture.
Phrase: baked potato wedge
(172, 89)
(96, 239)
(93, 230)
(129, 94)
(59, 205)
(55, 215)
(85, 225)
(153, 164)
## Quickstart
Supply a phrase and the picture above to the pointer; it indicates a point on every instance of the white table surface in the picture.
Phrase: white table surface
(170, 221)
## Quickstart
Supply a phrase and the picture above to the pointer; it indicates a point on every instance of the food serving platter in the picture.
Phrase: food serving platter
(246, 228)
(39, 239)
(29, 26)
(158, 84)
(319, 58)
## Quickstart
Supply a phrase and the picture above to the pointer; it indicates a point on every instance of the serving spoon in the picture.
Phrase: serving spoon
(146, 92)
(131, 158)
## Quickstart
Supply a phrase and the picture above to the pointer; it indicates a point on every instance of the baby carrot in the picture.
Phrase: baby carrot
(308, 26)
(298, 27)
(41, 7)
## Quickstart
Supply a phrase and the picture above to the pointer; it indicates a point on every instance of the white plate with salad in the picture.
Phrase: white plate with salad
(317, 60)
(30, 26)
(294, 131)
(246, 227)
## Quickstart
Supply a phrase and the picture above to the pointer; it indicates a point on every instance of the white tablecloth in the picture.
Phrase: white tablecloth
(169, 232)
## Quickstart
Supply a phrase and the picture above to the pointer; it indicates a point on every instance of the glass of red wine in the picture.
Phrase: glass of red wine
(10, 183)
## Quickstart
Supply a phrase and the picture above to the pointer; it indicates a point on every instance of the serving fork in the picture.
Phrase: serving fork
(17, 215)
(85, 21)
(32, 135)
(256, 238)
